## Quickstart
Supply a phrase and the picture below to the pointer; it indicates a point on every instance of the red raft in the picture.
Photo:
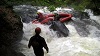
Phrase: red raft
(62, 17)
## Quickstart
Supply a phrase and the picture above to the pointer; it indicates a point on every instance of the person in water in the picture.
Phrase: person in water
(56, 17)
(38, 42)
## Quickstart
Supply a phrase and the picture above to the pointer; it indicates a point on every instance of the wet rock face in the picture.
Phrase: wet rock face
(10, 29)
(10, 26)
(27, 12)
(81, 15)
(4, 51)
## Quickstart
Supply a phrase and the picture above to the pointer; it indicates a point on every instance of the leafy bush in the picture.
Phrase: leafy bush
(77, 4)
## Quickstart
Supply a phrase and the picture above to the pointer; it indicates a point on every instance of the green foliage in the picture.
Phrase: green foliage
(77, 4)
(51, 8)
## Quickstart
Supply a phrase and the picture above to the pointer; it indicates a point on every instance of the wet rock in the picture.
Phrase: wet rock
(10, 30)
(81, 15)
(6, 51)
(81, 28)
(96, 11)
(26, 12)
(61, 29)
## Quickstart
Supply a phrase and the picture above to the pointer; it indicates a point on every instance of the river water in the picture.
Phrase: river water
(73, 45)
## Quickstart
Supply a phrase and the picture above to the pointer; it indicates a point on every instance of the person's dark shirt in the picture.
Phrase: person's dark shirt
(37, 42)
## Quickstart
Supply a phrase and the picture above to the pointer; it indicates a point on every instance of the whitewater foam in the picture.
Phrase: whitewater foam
(74, 45)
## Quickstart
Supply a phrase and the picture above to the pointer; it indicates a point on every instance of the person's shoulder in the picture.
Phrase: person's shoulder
(32, 37)
(41, 37)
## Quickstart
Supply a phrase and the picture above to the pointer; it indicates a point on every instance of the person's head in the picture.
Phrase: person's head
(39, 13)
(38, 30)
(56, 16)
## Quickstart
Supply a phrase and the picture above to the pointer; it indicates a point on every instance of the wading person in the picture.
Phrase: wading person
(38, 42)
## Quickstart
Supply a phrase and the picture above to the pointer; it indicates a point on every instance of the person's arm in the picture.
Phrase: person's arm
(45, 45)
(29, 44)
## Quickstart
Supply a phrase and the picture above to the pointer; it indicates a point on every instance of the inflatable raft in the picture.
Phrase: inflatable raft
(62, 17)
(56, 21)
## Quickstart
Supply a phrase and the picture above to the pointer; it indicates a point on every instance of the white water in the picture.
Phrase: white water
(96, 18)
(73, 45)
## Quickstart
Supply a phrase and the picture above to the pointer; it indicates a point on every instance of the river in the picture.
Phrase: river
(83, 39)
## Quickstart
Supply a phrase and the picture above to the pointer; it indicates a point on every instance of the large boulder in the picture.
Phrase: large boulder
(10, 31)
(60, 28)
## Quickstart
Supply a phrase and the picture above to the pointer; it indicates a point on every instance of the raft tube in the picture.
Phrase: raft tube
(50, 17)
(63, 16)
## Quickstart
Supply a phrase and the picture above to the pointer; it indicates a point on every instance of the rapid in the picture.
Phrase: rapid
(82, 41)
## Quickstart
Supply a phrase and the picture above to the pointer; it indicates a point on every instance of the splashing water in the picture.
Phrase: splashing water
(73, 45)
(96, 18)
